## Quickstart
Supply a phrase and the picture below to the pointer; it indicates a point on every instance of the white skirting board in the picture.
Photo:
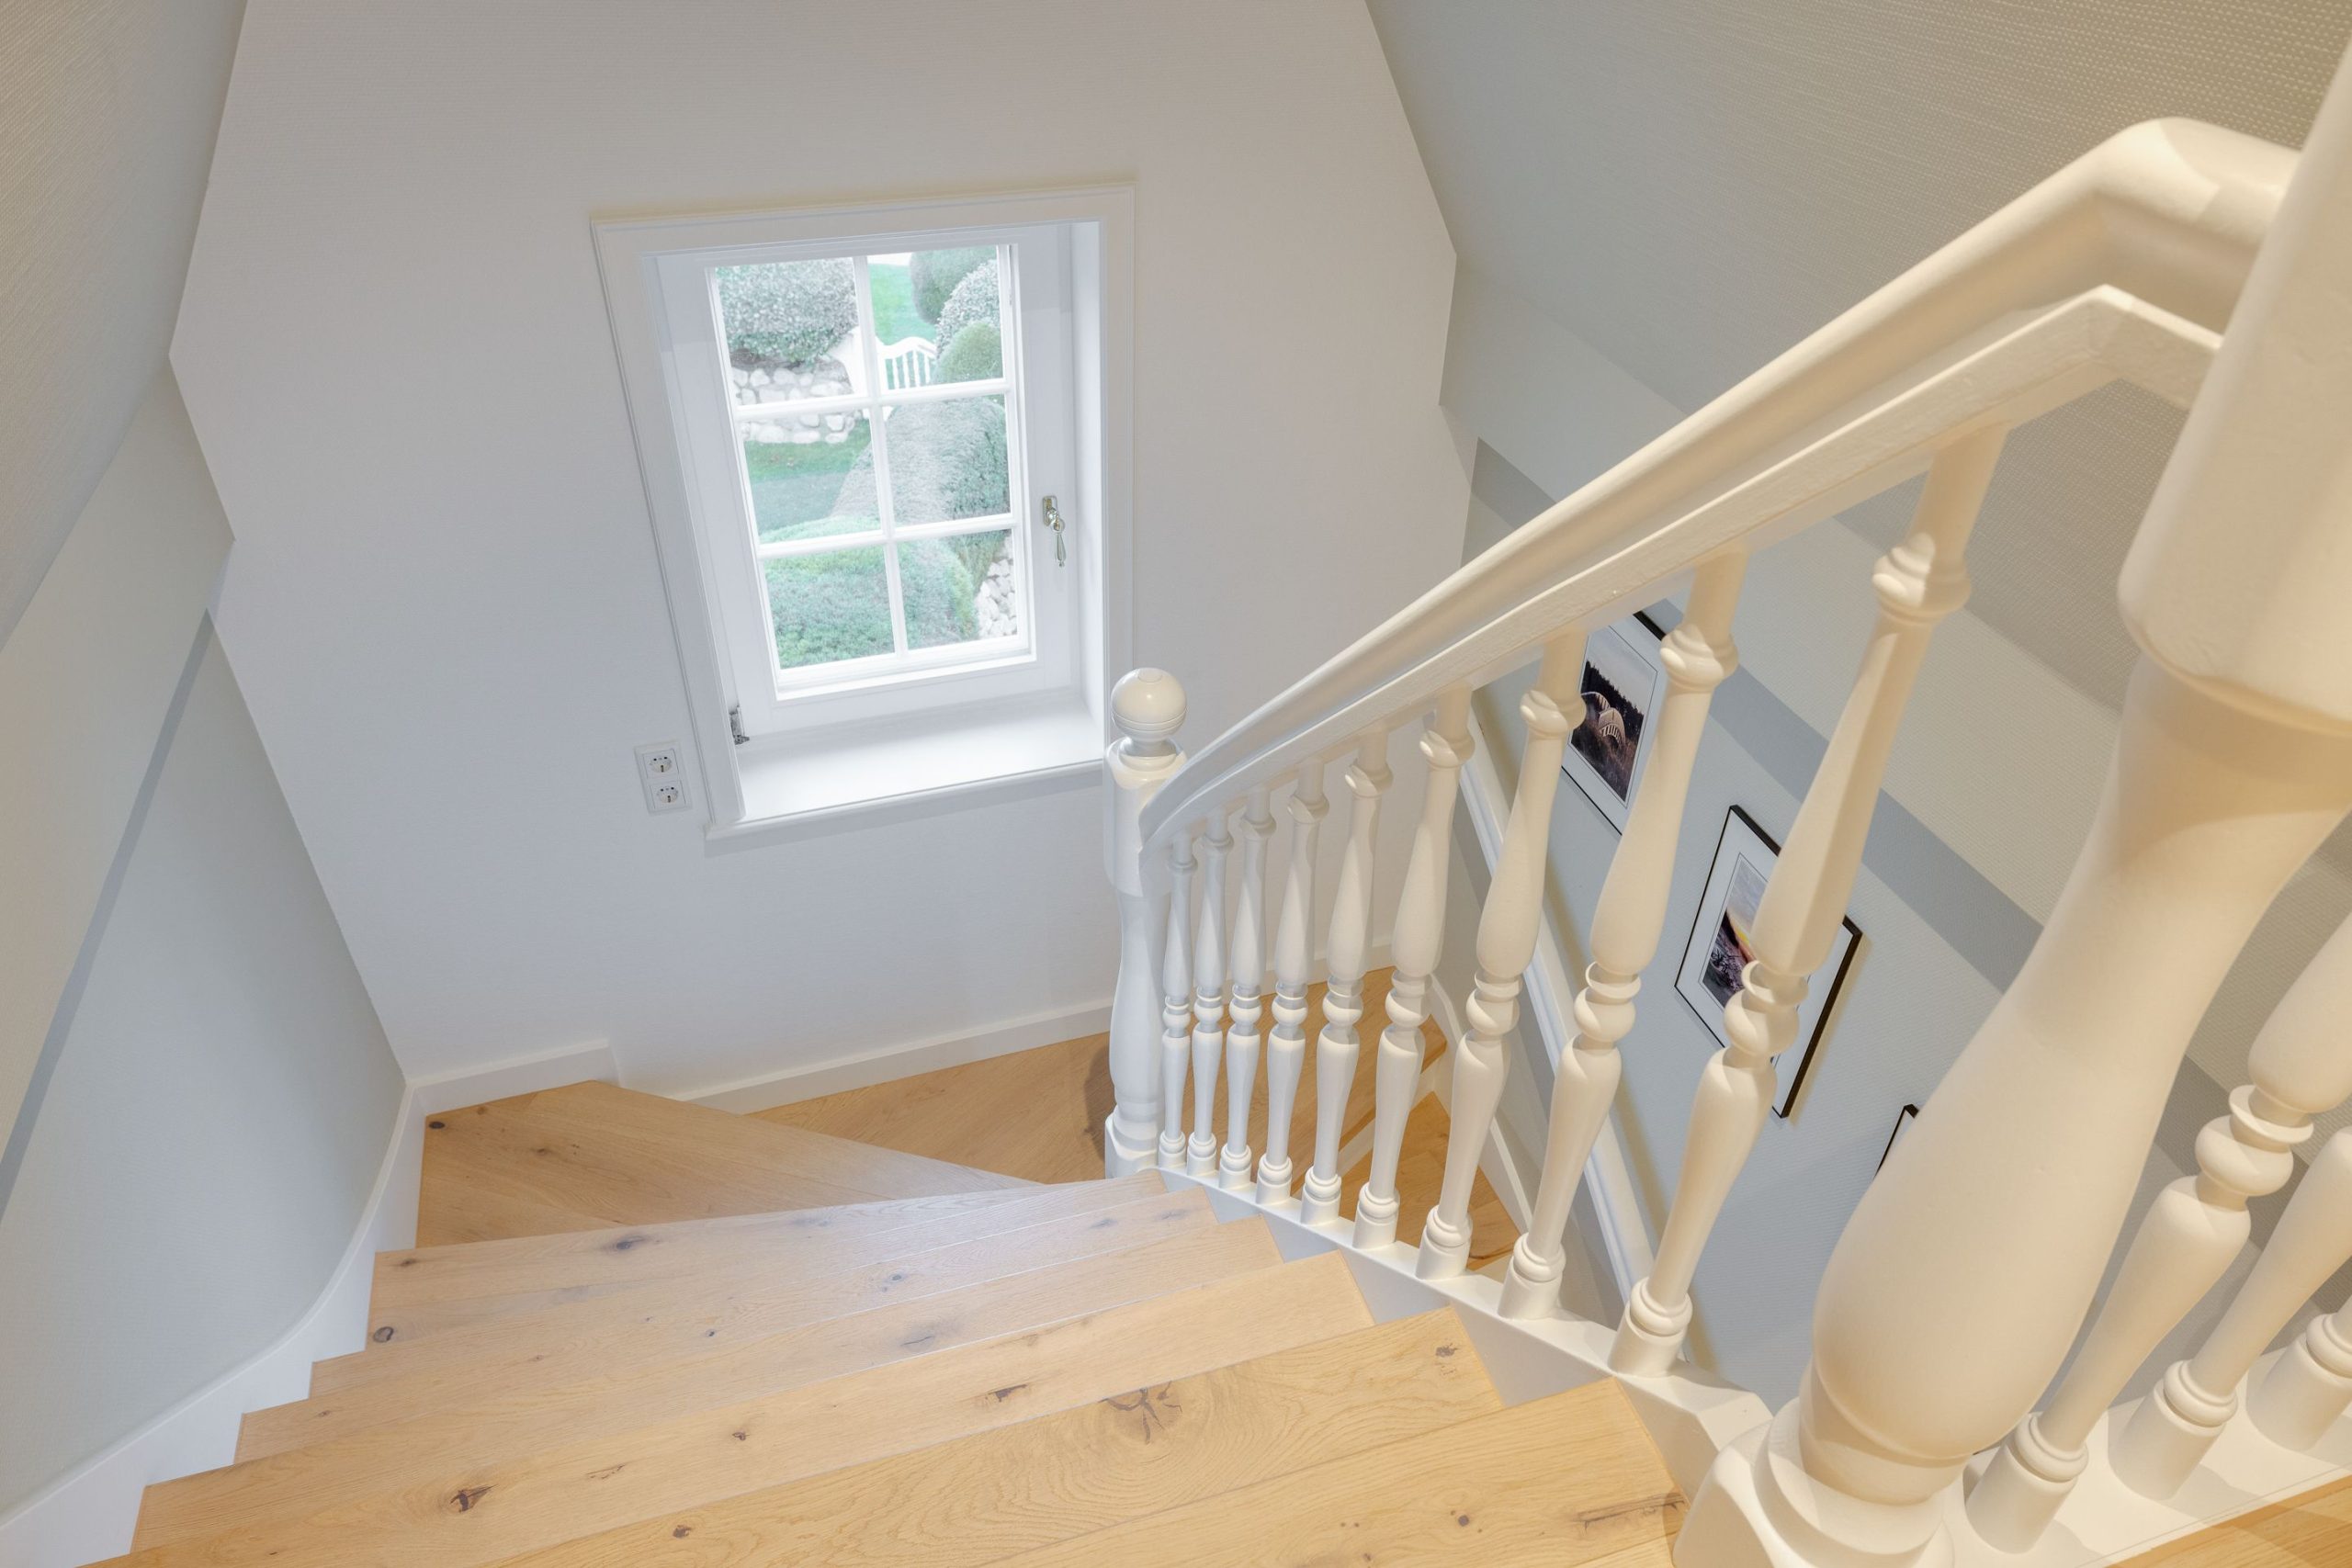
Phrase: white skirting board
(90, 1513)
(886, 1063)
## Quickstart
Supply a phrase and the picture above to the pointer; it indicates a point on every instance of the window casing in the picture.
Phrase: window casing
(918, 589)
(921, 721)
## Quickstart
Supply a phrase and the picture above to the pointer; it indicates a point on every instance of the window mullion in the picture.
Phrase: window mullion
(879, 444)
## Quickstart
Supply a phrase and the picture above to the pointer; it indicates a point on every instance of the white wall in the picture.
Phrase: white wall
(107, 109)
(217, 1111)
(86, 681)
(444, 607)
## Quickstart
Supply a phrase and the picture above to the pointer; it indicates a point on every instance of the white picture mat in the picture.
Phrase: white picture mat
(1743, 862)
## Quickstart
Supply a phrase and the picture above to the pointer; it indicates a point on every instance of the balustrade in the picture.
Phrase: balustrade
(1293, 952)
(1208, 1000)
(1627, 924)
(1241, 1041)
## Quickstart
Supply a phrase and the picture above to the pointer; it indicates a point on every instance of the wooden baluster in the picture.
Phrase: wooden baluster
(1972, 1260)
(2185, 1244)
(1148, 706)
(1293, 952)
(1208, 1000)
(1918, 583)
(2170, 1430)
(1336, 1047)
(1242, 1041)
(1626, 923)
(1507, 931)
(1176, 1003)
(1420, 923)
(2307, 1387)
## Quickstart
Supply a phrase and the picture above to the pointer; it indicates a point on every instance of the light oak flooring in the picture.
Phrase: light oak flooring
(1038, 1115)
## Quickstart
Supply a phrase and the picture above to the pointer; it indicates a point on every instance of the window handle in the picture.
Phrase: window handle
(1054, 520)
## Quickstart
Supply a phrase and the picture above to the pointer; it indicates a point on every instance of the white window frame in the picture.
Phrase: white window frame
(835, 749)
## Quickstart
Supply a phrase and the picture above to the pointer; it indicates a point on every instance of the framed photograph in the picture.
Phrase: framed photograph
(1623, 684)
(1903, 1118)
(1718, 950)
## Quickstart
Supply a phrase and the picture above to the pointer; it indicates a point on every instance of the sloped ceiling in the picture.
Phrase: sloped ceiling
(1692, 186)
(108, 110)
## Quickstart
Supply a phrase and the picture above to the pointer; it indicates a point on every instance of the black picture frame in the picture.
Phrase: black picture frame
(1738, 829)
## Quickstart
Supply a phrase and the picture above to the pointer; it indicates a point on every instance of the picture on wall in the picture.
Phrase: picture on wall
(1718, 950)
(1903, 1118)
(1623, 684)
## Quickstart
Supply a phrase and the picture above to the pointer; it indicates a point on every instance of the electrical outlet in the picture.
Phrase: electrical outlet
(660, 771)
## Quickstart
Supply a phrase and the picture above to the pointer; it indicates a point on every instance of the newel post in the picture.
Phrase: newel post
(1958, 1284)
(1148, 705)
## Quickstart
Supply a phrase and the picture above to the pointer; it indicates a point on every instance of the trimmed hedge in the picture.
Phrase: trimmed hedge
(946, 460)
(836, 606)
(787, 313)
(934, 275)
(974, 301)
(976, 355)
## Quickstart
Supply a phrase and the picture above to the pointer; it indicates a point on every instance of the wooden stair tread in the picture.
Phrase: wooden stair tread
(591, 1156)
(1421, 1176)
(630, 1253)
(1566, 1480)
(672, 1319)
(1039, 1113)
(1016, 1488)
(485, 1514)
(347, 1459)
(2305, 1531)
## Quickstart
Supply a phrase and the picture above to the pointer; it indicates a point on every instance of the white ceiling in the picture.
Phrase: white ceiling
(1692, 186)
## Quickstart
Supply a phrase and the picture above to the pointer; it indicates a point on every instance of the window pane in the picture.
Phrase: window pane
(828, 607)
(811, 476)
(959, 590)
(791, 329)
(954, 296)
(947, 460)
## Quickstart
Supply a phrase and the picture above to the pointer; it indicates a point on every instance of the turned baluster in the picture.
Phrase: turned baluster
(1148, 706)
(1241, 1041)
(1507, 931)
(1336, 1047)
(1208, 1000)
(2185, 1244)
(1293, 952)
(1970, 1264)
(2309, 1385)
(1918, 583)
(1176, 1003)
(2170, 1431)
(1421, 920)
(1626, 923)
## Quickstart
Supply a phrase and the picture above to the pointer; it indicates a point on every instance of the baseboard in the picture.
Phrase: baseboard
(90, 1513)
(884, 1063)
(517, 1075)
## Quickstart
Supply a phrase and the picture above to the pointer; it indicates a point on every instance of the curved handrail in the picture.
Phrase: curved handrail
(2169, 210)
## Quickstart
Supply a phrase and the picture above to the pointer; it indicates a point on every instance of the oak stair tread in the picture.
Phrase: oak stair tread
(484, 1514)
(348, 1454)
(1018, 1488)
(591, 1156)
(1561, 1482)
(634, 1254)
(711, 1311)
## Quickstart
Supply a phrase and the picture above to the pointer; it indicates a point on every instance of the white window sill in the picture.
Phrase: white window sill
(802, 785)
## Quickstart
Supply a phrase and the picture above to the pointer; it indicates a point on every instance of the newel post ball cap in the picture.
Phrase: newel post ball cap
(1149, 705)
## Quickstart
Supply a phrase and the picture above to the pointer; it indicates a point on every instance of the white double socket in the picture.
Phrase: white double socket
(662, 771)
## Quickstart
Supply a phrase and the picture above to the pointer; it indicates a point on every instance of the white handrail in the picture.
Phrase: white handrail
(2166, 214)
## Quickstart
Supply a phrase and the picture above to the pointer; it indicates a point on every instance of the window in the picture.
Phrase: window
(852, 423)
(875, 432)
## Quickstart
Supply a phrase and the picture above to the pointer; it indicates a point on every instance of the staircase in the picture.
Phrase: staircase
(638, 1331)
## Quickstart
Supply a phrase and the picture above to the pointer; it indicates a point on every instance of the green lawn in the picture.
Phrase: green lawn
(793, 487)
(894, 303)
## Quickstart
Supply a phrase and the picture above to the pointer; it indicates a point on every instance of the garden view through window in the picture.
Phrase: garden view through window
(870, 396)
